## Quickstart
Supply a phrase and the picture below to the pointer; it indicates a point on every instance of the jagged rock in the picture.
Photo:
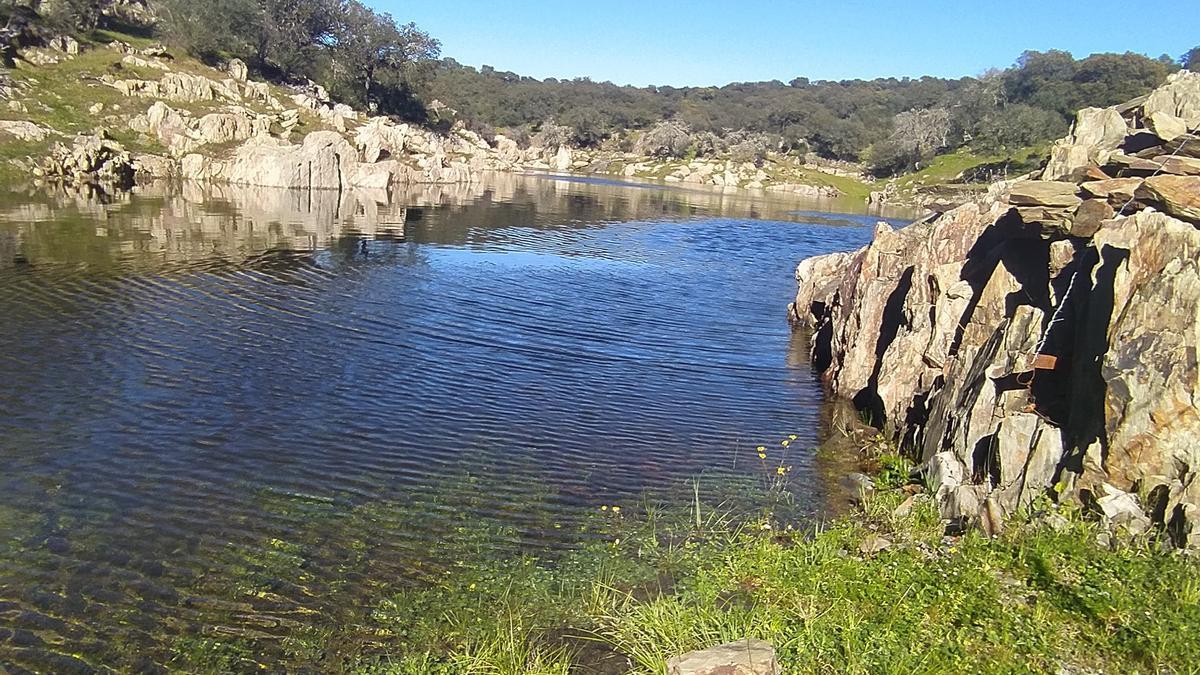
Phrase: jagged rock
(1178, 196)
(134, 61)
(90, 158)
(237, 70)
(1179, 98)
(1097, 133)
(744, 657)
(1049, 221)
(1122, 508)
(1059, 194)
(1130, 165)
(935, 328)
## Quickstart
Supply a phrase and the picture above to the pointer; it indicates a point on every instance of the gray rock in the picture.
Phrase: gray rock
(1096, 134)
(237, 70)
(744, 657)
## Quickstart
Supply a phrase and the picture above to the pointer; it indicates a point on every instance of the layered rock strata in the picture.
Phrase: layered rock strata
(1042, 342)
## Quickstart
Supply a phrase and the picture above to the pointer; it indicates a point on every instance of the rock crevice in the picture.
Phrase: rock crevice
(1031, 344)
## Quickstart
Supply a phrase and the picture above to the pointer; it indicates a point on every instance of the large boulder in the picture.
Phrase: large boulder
(324, 160)
(1097, 133)
(1178, 98)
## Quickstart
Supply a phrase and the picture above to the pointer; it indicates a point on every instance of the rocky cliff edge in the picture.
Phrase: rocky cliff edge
(1041, 342)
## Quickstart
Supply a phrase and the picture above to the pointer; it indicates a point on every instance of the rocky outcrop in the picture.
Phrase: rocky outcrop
(89, 159)
(1039, 343)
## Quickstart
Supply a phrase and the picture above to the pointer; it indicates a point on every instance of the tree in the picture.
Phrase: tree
(372, 53)
(1191, 60)
(210, 29)
(295, 33)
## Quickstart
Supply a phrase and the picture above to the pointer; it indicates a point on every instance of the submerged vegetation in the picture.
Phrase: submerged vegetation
(881, 589)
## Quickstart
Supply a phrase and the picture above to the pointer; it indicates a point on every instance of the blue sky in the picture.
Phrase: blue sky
(707, 42)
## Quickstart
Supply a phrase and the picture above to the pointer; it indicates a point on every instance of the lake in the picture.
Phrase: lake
(240, 413)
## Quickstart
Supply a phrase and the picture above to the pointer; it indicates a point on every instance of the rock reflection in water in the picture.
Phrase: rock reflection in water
(224, 428)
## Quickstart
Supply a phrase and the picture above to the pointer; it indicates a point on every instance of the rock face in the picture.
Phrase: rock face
(1023, 357)
(744, 657)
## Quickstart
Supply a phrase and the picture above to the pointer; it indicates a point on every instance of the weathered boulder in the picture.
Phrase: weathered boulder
(324, 160)
(744, 657)
(23, 130)
(1178, 98)
(1096, 134)
(1165, 126)
(238, 70)
(1118, 191)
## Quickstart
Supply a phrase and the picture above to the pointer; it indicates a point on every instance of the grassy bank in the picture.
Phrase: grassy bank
(880, 589)
(1034, 600)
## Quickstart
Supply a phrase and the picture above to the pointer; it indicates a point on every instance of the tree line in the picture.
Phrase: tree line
(892, 124)
(370, 60)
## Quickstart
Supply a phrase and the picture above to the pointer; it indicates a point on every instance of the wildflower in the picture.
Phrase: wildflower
(762, 455)
(604, 507)
(616, 509)
(792, 437)
(781, 471)
(785, 443)
(762, 448)
(471, 587)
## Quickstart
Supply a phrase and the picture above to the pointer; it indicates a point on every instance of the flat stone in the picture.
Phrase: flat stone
(1177, 196)
(744, 657)
(1128, 164)
(1179, 166)
(1044, 193)
(1119, 189)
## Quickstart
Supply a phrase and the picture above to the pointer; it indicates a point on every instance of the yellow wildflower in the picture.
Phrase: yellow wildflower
(781, 471)
(604, 507)
(792, 437)
(616, 509)
(785, 443)
(762, 448)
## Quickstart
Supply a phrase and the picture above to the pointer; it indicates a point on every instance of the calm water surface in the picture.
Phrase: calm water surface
(235, 414)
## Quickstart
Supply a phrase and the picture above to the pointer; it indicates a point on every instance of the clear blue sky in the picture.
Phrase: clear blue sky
(708, 42)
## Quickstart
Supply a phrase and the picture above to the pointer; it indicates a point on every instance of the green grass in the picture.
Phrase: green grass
(947, 168)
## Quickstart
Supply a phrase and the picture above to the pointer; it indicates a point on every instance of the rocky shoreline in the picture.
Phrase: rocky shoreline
(215, 126)
(1042, 342)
